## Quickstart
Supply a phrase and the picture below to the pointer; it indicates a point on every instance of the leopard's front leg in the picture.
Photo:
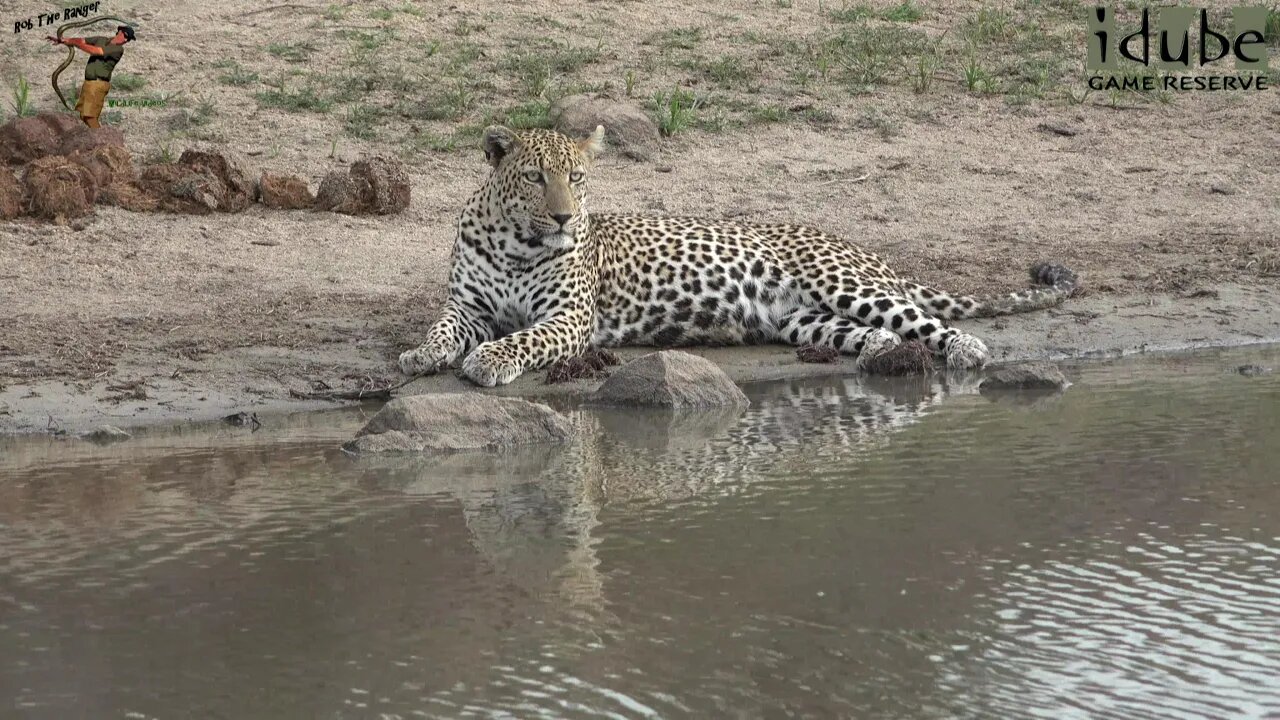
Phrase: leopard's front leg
(498, 362)
(454, 334)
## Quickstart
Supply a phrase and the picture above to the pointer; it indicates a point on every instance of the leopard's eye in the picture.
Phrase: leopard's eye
(533, 176)
(576, 176)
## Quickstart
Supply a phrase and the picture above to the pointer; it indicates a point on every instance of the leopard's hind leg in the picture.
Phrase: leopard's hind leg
(875, 305)
(807, 326)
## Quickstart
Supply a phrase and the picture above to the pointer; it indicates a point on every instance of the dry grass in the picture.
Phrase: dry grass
(588, 366)
(817, 354)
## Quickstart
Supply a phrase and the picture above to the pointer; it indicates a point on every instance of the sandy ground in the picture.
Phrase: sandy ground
(1170, 212)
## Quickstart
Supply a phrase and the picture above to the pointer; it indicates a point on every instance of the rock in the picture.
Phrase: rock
(25, 139)
(626, 126)
(1030, 376)
(670, 378)
(10, 195)
(87, 139)
(445, 422)
(243, 419)
(383, 184)
(338, 193)
(180, 189)
(108, 163)
(284, 192)
(59, 189)
(106, 435)
(239, 184)
(1253, 370)
(130, 195)
(908, 358)
(376, 185)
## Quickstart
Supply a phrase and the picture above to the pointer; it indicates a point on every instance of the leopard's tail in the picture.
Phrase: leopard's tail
(1055, 283)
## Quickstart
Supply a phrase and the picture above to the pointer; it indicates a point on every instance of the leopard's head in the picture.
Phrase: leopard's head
(540, 178)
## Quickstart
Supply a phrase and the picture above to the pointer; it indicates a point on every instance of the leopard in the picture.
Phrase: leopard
(535, 277)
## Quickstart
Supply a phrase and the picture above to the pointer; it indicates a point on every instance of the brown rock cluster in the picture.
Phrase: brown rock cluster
(54, 168)
(373, 186)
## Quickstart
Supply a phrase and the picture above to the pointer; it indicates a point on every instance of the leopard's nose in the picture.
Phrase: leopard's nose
(562, 218)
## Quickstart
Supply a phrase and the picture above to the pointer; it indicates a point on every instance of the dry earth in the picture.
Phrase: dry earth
(1168, 206)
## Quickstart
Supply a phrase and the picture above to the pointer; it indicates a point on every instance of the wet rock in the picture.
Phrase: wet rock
(25, 139)
(373, 186)
(106, 435)
(670, 378)
(1253, 370)
(1029, 376)
(284, 192)
(626, 126)
(445, 422)
(908, 358)
(87, 139)
(243, 419)
(239, 184)
(10, 195)
(58, 189)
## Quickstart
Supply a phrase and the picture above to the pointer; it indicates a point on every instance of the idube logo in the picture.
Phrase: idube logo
(1168, 44)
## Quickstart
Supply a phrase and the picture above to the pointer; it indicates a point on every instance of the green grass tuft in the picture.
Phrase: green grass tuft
(127, 82)
(906, 11)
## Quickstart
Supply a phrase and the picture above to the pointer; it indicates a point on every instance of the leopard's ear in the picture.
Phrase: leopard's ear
(498, 142)
(592, 144)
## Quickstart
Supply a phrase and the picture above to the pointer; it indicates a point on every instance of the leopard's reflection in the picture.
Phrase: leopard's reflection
(531, 514)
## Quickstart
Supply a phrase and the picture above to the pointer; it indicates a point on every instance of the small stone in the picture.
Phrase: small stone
(1253, 370)
(284, 192)
(673, 379)
(383, 183)
(1029, 376)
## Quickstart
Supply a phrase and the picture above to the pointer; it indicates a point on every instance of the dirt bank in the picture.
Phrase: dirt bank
(140, 318)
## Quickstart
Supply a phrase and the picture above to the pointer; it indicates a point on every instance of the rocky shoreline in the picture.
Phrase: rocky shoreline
(1086, 328)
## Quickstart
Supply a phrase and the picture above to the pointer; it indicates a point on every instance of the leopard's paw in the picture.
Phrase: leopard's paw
(966, 351)
(490, 365)
(425, 360)
(876, 342)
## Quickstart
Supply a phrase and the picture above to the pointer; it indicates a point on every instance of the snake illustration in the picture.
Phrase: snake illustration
(71, 52)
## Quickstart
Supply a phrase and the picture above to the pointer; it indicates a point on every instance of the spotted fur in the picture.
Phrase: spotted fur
(536, 278)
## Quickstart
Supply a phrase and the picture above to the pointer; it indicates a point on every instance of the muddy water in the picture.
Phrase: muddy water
(840, 549)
